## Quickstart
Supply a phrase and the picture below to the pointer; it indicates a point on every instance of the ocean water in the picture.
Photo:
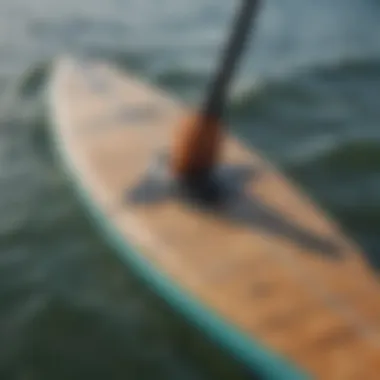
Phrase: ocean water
(307, 96)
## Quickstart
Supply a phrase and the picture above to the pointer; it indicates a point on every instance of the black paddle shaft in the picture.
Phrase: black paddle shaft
(216, 97)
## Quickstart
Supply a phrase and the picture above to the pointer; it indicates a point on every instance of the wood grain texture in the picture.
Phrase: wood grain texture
(265, 258)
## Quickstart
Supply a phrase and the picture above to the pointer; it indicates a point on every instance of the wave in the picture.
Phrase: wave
(359, 155)
(296, 82)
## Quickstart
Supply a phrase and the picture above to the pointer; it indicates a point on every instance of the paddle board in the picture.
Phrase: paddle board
(263, 270)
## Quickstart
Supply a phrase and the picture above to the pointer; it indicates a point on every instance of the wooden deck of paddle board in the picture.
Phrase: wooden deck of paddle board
(266, 262)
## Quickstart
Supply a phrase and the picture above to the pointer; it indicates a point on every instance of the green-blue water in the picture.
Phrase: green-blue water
(308, 95)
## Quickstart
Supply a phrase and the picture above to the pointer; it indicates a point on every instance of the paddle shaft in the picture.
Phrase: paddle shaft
(217, 94)
(197, 146)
